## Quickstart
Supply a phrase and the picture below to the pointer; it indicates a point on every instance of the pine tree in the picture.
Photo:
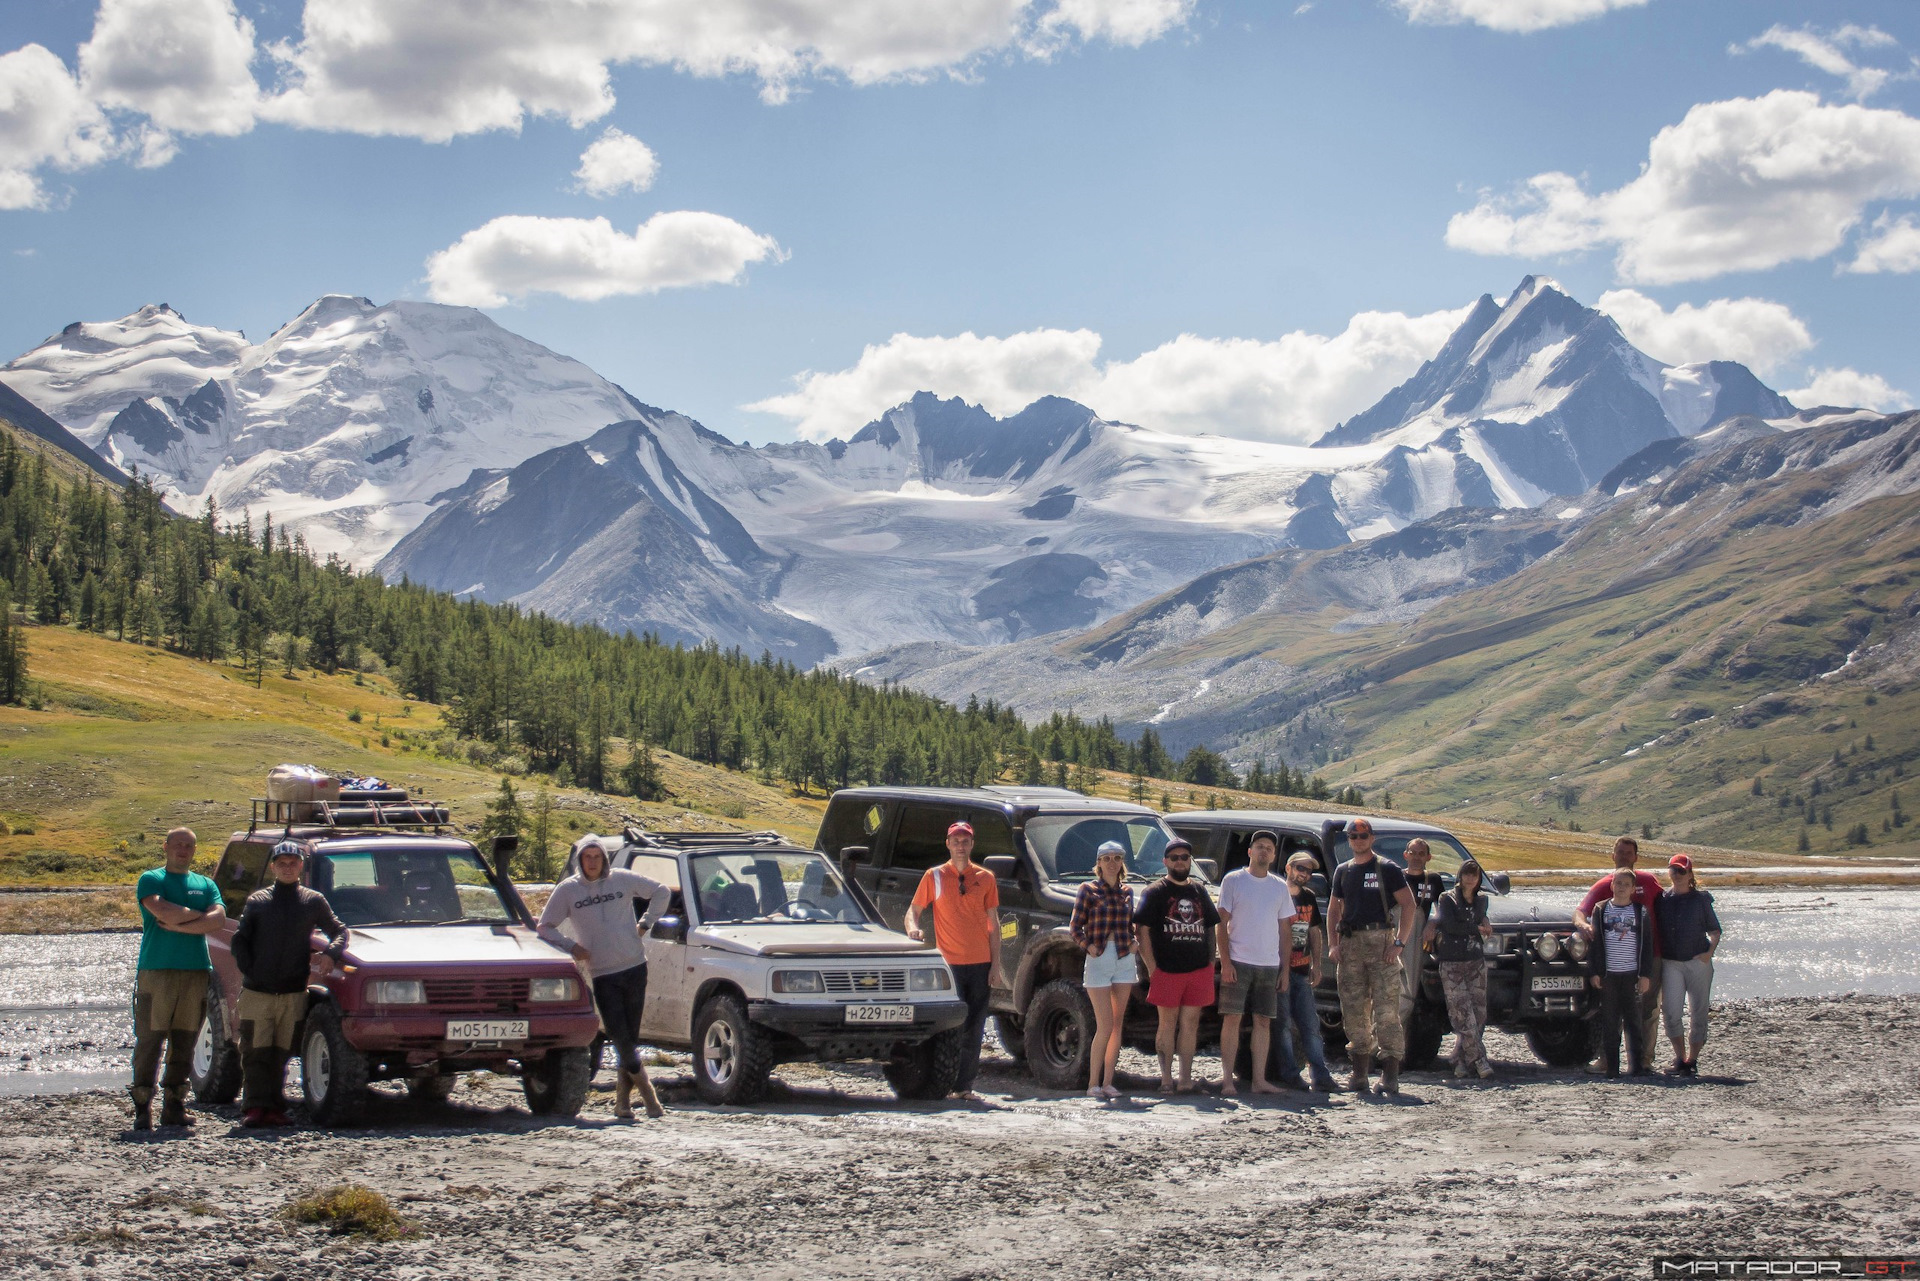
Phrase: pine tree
(536, 851)
(641, 775)
(504, 815)
(13, 653)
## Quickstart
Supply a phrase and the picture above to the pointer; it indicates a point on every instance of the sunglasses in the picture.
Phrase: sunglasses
(1179, 858)
(1359, 836)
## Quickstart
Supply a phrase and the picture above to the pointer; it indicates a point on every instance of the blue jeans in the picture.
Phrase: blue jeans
(1298, 1008)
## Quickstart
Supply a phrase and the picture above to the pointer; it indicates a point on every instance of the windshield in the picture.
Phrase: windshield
(408, 887)
(773, 887)
(1066, 844)
(1392, 846)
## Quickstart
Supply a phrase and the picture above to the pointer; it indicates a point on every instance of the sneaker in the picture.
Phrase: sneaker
(1460, 1071)
(1295, 1082)
(1597, 1068)
(1693, 1067)
(1096, 1092)
(276, 1118)
(255, 1119)
(1485, 1069)
(1323, 1084)
(1679, 1068)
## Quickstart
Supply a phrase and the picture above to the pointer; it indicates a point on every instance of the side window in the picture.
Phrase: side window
(992, 834)
(854, 822)
(921, 841)
(1200, 837)
(1292, 843)
(239, 873)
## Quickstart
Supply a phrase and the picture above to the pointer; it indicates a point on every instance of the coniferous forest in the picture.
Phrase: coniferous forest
(77, 552)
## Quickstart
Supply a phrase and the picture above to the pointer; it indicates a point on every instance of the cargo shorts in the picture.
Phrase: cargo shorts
(269, 1019)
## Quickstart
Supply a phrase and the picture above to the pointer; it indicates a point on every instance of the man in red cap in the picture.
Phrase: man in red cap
(966, 928)
(1646, 892)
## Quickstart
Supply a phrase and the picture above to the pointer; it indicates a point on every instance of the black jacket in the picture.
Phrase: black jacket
(273, 946)
(1597, 958)
(1457, 926)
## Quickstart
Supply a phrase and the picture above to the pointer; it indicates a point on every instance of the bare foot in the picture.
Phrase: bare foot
(1166, 1085)
(1266, 1087)
(1186, 1087)
(1228, 1088)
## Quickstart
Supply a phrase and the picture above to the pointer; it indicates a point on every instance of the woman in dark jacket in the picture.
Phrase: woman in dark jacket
(1454, 933)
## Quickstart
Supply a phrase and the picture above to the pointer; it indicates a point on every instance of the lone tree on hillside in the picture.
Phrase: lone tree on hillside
(504, 815)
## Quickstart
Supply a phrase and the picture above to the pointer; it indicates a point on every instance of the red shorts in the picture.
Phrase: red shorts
(1194, 988)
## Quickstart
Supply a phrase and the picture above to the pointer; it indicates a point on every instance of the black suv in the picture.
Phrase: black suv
(1536, 976)
(1039, 843)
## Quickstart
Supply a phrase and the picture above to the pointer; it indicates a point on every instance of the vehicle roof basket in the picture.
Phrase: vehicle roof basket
(350, 814)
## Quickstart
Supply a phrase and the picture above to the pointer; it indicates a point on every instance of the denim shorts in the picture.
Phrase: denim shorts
(1110, 968)
(1255, 990)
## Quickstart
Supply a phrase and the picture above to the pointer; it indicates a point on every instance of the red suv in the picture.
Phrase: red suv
(444, 973)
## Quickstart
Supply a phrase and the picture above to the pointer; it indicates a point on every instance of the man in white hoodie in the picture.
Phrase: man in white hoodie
(598, 902)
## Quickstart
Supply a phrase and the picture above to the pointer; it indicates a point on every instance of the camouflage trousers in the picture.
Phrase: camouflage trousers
(1369, 983)
(1465, 983)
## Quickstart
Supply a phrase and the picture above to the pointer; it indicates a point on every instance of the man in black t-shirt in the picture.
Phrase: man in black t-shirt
(1174, 923)
(1427, 888)
(1366, 947)
(1308, 944)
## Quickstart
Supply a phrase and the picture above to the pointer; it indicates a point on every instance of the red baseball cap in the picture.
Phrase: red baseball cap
(962, 826)
(1680, 862)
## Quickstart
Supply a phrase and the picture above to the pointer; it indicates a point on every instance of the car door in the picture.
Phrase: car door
(919, 842)
(993, 836)
(860, 821)
(668, 1015)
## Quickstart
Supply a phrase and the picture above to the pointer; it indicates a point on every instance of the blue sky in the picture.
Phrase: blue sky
(1252, 175)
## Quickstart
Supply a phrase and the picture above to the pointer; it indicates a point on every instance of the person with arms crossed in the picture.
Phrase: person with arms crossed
(1626, 853)
(1309, 944)
(178, 909)
(1256, 914)
(1366, 943)
(1427, 888)
(1622, 966)
(966, 928)
(1174, 925)
(597, 903)
(1689, 931)
(1102, 924)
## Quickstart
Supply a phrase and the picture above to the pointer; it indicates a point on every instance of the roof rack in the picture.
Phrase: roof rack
(640, 836)
(403, 815)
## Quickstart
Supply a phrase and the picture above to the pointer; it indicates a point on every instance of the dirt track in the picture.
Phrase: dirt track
(1804, 1138)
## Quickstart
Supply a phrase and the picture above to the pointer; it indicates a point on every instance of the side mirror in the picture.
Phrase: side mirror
(1499, 882)
(852, 856)
(1318, 884)
(1003, 866)
(1209, 868)
(671, 929)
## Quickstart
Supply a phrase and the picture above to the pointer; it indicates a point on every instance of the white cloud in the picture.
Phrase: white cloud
(1292, 389)
(589, 259)
(1511, 15)
(1122, 22)
(1894, 246)
(1758, 333)
(1849, 388)
(183, 64)
(1827, 52)
(616, 162)
(1740, 185)
(45, 119)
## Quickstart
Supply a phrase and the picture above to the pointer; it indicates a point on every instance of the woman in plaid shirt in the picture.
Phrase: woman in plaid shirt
(1102, 924)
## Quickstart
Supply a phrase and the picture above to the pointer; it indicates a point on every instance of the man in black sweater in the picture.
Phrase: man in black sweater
(274, 951)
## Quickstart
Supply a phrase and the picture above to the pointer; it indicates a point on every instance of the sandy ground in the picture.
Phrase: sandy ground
(1803, 1137)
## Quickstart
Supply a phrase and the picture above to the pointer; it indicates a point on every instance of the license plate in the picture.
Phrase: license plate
(486, 1029)
(1557, 983)
(879, 1014)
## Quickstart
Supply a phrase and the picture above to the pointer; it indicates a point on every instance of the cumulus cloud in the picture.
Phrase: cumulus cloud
(1758, 333)
(1740, 185)
(589, 259)
(1849, 388)
(616, 162)
(1828, 52)
(1291, 389)
(1511, 15)
(1122, 22)
(45, 120)
(183, 64)
(1893, 245)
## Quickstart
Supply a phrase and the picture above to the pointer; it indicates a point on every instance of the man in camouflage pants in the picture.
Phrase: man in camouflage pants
(1367, 942)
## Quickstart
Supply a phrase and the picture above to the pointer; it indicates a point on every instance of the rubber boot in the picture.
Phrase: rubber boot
(1389, 1076)
(1357, 1079)
(142, 1107)
(647, 1095)
(623, 1096)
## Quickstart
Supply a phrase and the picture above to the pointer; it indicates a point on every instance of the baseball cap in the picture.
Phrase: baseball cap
(1114, 848)
(1179, 843)
(1264, 835)
(961, 826)
(1680, 862)
(294, 848)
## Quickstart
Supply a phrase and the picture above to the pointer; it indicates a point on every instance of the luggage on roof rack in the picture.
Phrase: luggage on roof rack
(272, 813)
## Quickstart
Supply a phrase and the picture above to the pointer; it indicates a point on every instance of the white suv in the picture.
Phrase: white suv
(768, 955)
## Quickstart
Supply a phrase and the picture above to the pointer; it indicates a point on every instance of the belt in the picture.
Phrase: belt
(1362, 929)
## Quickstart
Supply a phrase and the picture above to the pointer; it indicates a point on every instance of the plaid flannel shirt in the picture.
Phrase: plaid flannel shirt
(1102, 912)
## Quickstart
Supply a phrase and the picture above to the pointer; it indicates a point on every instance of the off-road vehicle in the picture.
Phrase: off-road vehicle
(1039, 843)
(1536, 966)
(768, 955)
(443, 973)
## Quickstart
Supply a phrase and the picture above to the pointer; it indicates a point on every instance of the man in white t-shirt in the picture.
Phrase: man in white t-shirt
(1256, 913)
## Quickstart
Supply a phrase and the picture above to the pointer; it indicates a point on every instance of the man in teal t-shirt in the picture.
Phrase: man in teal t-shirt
(178, 909)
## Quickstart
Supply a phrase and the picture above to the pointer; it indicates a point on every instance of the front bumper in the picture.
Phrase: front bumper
(819, 1022)
(422, 1038)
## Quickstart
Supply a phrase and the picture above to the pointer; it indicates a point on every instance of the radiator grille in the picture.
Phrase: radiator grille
(477, 995)
(865, 982)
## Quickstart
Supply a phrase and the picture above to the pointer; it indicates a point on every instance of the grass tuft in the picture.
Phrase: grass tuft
(351, 1209)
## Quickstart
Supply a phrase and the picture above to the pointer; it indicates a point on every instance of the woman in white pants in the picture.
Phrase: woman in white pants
(1689, 936)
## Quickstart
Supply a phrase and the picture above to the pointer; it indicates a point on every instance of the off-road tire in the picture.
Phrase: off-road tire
(333, 1075)
(556, 1083)
(216, 1055)
(1428, 1030)
(1333, 1032)
(1013, 1036)
(732, 1058)
(1059, 1034)
(929, 1070)
(431, 1089)
(1561, 1042)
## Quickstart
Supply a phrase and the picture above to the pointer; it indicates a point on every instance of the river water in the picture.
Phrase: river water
(65, 1020)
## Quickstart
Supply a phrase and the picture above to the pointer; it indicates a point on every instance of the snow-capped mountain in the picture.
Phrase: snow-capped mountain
(346, 423)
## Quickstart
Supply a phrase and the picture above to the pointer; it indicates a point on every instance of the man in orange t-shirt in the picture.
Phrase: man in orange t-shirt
(966, 928)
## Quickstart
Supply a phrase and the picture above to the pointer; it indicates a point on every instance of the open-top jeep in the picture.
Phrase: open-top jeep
(1039, 843)
(1536, 966)
(443, 973)
(768, 955)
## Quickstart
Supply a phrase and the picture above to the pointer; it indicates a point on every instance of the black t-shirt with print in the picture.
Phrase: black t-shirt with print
(1306, 909)
(1180, 919)
(1358, 889)
(1427, 889)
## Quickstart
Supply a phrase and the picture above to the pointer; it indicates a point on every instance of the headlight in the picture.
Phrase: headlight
(553, 990)
(1494, 944)
(399, 992)
(1547, 947)
(798, 981)
(928, 979)
(1577, 947)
